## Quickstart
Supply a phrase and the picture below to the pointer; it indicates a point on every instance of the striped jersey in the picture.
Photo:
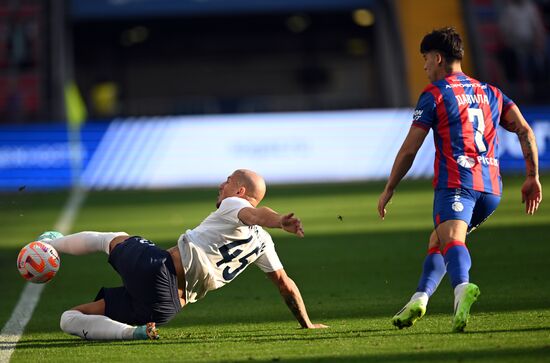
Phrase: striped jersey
(464, 115)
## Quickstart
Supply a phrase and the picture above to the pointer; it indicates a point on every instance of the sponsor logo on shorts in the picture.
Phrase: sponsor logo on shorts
(466, 161)
(457, 207)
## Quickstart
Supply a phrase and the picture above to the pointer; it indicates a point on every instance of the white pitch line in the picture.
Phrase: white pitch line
(12, 331)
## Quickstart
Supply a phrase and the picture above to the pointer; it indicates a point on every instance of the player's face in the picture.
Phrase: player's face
(432, 65)
(228, 188)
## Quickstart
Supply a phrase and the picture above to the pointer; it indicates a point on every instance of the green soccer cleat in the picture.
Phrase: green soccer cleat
(406, 317)
(49, 236)
(146, 332)
(463, 303)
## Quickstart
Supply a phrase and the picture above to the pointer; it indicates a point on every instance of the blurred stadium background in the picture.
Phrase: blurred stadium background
(169, 93)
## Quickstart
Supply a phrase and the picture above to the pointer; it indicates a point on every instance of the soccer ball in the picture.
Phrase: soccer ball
(38, 262)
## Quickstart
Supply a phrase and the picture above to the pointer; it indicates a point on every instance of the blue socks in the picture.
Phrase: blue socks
(455, 261)
(432, 273)
(458, 261)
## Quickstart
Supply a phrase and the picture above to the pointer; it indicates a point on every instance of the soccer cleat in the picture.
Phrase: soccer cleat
(146, 332)
(463, 303)
(406, 317)
(49, 236)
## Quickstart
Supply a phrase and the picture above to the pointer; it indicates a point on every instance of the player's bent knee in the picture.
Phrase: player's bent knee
(118, 238)
(434, 244)
(65, 323)
(92, 308)
(451, 230)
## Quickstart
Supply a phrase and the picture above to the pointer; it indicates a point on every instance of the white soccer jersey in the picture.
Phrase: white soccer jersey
(221, 247)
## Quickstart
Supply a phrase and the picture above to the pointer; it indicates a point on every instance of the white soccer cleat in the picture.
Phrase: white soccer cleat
(465, 297)
(49, 236)
(411, 312)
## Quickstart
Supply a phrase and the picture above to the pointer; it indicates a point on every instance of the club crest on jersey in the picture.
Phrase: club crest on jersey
(457, 207)
(466, 161)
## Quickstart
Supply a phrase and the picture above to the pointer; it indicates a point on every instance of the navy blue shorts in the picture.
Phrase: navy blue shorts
(150, 291)
(468, 205)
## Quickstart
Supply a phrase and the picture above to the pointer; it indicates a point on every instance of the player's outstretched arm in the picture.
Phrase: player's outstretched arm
(531, 191)
(267, 217)
(401, 165)
(293, 299)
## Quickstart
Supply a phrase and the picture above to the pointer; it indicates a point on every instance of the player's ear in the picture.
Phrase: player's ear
(241, 191)
(439, 58)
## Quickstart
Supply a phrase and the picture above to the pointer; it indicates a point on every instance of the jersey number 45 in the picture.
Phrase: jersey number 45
(229, 257)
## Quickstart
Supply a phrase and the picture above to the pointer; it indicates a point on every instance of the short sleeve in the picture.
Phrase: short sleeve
(269, 260)
(424, 113)
(507, 103)
(230, 207)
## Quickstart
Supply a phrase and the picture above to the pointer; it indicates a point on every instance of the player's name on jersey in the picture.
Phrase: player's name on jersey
(469, 99)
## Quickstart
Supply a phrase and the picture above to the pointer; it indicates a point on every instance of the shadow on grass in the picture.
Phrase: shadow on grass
(370, 276)
(413, 332)
(253, 336)
(488, 355)
(373, 277)
(188, 341)
(523, 330)
(216, 337)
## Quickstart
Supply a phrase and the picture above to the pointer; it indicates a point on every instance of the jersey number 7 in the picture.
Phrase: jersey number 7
(475, 115)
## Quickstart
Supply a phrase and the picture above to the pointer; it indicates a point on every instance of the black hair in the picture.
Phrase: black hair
(446, 41)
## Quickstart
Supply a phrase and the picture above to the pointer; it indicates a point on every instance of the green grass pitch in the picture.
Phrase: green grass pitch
(354, 271)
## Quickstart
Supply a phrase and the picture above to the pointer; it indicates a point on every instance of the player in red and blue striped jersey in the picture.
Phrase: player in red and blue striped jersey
(464, 115)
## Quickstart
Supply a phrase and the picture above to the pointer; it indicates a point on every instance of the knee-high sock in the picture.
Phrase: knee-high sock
(94, 327)
(432, 273)
(84, 242)
(458, 261)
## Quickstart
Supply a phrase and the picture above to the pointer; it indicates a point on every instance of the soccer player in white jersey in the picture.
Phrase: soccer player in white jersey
(157, 283)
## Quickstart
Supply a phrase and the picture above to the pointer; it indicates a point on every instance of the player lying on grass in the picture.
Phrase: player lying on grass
(464, 115)
(157, 283)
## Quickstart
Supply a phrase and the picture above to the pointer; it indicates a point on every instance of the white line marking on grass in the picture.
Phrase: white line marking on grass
(12, 331)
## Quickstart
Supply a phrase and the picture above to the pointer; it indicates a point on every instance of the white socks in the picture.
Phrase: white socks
(422, 296)
(458, 290)
(85, 242)
(94, 327)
